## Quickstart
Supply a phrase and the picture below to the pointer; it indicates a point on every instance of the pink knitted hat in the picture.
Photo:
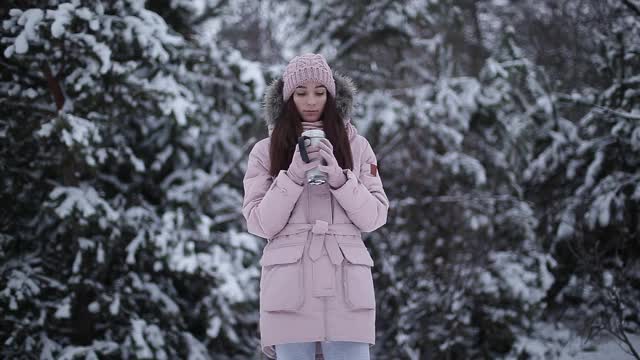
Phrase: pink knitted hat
(307, 67)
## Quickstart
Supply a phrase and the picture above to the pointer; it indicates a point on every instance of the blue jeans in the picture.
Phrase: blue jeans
(332, 350)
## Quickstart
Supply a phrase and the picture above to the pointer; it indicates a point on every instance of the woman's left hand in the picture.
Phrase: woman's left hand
(335, 175)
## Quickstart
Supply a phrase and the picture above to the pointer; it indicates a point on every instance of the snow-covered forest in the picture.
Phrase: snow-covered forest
(508, 140)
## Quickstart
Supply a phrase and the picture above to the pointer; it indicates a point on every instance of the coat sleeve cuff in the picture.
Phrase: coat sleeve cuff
(345, 193)
(284, 183)
(344, 171)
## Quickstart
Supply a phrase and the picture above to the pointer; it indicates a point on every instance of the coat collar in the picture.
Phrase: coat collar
(345, 92)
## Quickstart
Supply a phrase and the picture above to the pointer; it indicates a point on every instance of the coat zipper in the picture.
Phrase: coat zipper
(308, 209)
(326, 335)
(324, 298)
(324, 316)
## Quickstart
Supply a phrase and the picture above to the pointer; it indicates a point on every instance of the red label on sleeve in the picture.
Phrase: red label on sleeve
(374, 170)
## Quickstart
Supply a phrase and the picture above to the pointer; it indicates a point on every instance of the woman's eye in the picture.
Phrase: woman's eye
(320, 94)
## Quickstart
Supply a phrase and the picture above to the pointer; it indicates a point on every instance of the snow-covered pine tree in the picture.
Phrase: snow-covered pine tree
(465, 254)
(589, 164)
(120, 231)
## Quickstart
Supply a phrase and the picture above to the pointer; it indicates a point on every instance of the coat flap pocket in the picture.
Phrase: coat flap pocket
(282, 255)
(357, 254)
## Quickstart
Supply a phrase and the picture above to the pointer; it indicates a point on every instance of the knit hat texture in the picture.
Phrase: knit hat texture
(303, 68)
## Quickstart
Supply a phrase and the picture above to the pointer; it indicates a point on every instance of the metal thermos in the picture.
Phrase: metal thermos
(312, 137)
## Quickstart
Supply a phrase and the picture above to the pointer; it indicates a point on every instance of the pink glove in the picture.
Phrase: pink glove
(298, 168)
(335, 175)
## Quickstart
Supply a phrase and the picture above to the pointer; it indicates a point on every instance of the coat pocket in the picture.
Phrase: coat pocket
(282, 288)
(356, 277)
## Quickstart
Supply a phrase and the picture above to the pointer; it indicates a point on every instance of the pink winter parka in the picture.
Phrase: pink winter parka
(316, 282)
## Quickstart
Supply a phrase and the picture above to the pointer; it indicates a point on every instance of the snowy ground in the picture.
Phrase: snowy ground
(599, 349)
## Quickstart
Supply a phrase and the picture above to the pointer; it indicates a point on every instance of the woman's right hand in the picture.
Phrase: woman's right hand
(298, 168)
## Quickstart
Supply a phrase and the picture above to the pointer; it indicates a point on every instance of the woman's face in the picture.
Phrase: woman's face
(310, 98)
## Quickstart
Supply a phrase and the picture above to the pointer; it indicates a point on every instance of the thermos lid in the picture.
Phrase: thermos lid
(314, 133)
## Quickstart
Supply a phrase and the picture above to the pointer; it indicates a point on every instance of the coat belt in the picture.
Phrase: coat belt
(319, 239)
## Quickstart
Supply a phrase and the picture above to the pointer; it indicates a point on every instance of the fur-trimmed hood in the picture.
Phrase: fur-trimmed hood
(273, 103)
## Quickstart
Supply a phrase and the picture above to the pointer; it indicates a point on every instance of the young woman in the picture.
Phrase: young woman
(316, 289)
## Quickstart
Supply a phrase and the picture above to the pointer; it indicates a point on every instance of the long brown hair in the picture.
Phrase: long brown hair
(288, 128)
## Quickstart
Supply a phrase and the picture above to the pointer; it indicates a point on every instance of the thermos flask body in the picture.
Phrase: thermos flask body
(312, 137)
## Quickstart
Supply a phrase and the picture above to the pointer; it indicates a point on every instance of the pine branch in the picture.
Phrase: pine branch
(633, 7)
(458, 198)
(28, 106)
(245, 151)
(624, 114)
